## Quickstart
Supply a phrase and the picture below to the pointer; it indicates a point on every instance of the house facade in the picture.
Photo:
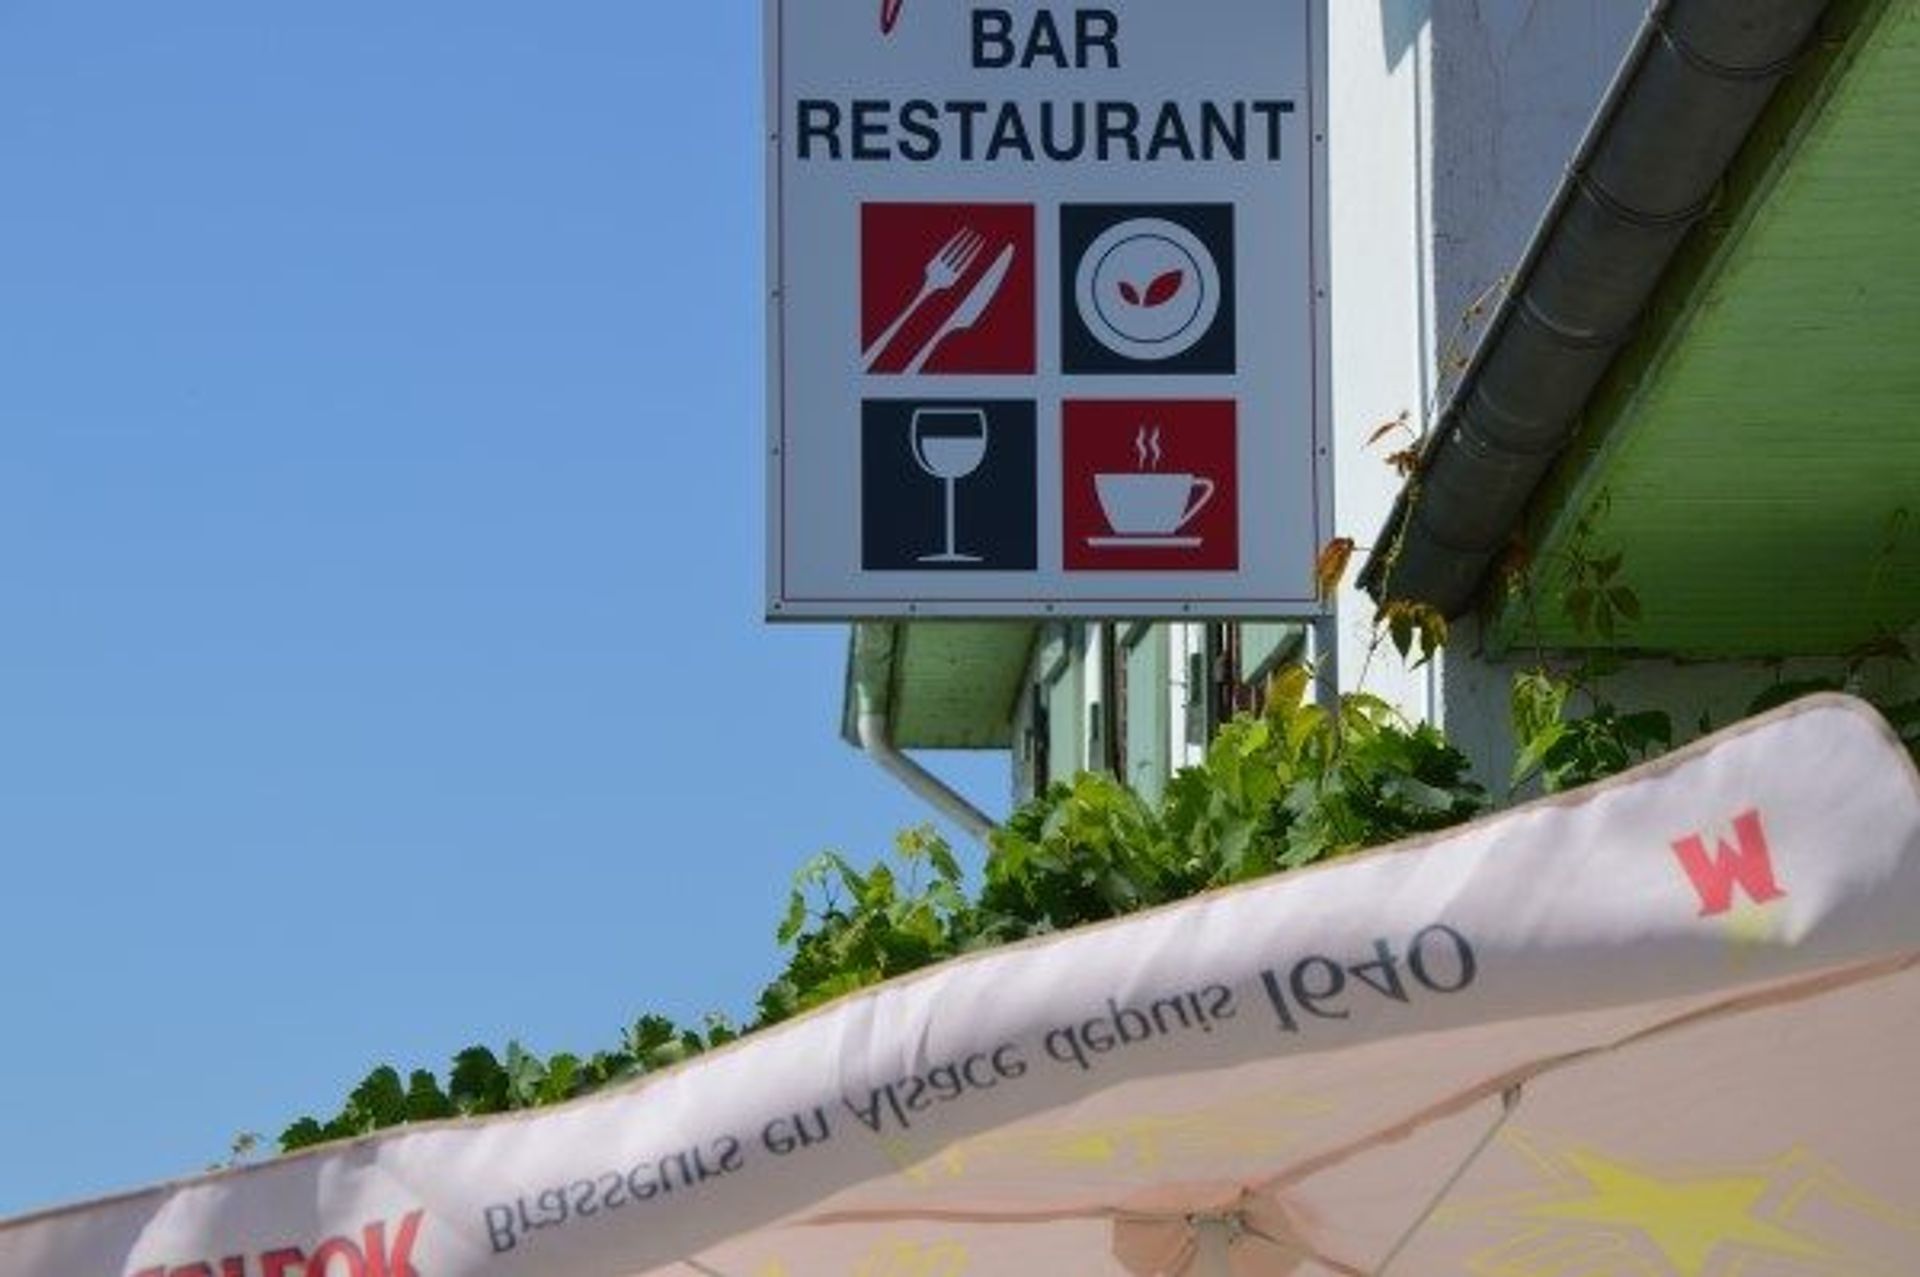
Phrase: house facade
(1631, 293)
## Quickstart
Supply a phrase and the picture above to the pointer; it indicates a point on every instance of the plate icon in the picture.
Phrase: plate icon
(1147, 289)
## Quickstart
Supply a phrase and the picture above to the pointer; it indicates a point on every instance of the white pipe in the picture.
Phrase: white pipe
(949, 802)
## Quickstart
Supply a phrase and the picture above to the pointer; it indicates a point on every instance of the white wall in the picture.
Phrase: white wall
(1378, 274)
(1515, 84)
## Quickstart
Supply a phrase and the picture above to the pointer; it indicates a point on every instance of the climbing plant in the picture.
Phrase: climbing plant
(1294, 784)
(1291, 785)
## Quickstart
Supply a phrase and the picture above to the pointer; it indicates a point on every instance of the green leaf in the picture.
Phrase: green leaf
(526, 1072)
(795, 919)
(379, 1100)
(876, 889)
(649, 1032)
(1536, 749)
(668, 1054)
(1647, 728)
(562, 1075)
(945, 863)
(779, 1001)
(1418, 793)
(834, 865)
(1400, 629)
(1536, 702)
(426, 1102)
(478, 1084)
(1287, 690)
(304, 1133)
(1306, 846)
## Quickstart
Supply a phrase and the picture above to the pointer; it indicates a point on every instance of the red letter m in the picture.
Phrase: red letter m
(1748, 866)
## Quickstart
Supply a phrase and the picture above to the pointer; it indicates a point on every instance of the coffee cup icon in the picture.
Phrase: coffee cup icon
(1152, 505)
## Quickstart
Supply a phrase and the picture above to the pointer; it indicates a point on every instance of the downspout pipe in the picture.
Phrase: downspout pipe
(873, 649)
(1689, 91)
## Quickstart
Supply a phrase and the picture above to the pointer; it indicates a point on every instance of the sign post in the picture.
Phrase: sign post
(1048, 321)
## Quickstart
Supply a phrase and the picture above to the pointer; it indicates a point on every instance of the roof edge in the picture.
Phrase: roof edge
(1696, 79)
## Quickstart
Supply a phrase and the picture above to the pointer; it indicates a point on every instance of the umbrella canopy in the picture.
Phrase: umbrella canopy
(1669, 1024)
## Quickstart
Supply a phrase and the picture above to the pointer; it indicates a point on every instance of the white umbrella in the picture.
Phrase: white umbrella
(1670, 1024)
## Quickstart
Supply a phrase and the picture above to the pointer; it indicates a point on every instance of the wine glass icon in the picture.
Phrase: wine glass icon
(949, 444)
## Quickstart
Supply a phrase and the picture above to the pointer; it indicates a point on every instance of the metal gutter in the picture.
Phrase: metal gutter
(870, 680)
(1697, 77)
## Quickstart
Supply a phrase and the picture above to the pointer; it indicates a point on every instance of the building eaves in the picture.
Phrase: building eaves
(1695, 80)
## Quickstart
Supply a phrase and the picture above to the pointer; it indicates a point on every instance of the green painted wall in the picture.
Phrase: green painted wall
(1756, 461)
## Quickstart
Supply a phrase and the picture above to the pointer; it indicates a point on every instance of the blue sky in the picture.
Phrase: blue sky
(381, 663)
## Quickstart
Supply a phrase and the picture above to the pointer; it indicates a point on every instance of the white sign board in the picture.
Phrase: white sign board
(1048, 308)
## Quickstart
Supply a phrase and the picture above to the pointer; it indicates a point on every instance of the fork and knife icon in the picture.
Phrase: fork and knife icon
(947, 266)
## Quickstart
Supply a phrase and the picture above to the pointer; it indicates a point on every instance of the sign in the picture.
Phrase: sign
(1048, 323)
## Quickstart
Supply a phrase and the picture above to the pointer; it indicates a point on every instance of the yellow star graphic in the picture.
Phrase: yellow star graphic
(1750, 929)
(1686, 1220)
(1253, 1125)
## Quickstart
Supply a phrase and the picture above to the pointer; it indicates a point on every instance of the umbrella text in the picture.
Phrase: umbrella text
(1126, 1025)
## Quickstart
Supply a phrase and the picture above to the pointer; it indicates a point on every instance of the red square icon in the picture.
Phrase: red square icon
(946, 288)
(1151, 485)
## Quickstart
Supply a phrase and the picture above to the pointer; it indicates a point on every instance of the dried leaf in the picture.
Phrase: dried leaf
(1400, 629)
(1386, 428)
(1129, 292)
(1429, 624)
(1580, 608)
(1516, 562)
(1331, 567)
